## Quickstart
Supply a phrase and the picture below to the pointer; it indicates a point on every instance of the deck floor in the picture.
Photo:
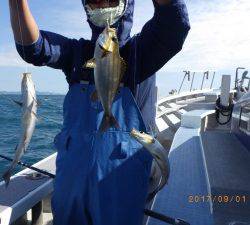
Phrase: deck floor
(228, 169)
(187, 178)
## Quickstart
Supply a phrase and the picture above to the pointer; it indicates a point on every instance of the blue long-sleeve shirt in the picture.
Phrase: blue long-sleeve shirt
(161, 38)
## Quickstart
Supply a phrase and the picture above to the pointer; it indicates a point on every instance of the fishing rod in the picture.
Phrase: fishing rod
(30, 167)
(164, 218)
(147, 212)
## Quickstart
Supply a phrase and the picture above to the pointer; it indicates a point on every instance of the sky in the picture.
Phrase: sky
(219, 40)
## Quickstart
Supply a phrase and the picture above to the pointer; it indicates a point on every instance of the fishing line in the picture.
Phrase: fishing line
(24, 55)
(21, 35)
(50, 120)
(110, 20)
(44, 102)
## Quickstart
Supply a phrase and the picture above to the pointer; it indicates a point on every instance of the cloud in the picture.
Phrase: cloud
(219, 37)
(143, 12)
(64, 17)
(10, 58)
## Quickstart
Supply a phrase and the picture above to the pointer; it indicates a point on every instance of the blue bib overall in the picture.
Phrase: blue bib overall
(101, 178)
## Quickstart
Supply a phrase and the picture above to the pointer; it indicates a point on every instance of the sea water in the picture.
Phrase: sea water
(49, 123)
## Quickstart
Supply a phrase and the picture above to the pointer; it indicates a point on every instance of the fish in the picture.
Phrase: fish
(109, 68)
(28, 121)
(155, 177)
(160, 158)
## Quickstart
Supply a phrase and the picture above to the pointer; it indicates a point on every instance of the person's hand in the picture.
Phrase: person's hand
(163, 2)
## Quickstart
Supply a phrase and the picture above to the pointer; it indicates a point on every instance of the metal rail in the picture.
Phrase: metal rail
(188, 76)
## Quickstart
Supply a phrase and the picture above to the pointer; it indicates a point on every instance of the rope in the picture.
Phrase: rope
(226, 111)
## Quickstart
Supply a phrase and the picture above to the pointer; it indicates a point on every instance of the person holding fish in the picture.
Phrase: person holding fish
(102, 173)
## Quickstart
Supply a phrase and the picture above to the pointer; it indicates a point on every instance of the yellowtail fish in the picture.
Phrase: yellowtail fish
(109, 69)
(160, 158)
(29, 110)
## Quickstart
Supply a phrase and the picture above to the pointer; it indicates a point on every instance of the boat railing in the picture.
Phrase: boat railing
(187, 77)
(244, 118)
(240, 81)
(183, 96)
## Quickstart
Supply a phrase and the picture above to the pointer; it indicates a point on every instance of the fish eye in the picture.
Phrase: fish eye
(141, 132)
(114, 39)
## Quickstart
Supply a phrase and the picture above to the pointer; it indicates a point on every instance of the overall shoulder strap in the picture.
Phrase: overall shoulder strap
(129, 54)
(82, 55)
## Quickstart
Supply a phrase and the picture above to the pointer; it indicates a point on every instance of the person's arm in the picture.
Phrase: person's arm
(162, 37)
(23, 24)
(38, 47)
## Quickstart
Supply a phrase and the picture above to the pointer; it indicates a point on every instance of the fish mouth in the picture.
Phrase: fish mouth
(102, 40)
(142, 137)
(107, 39)
(134, 132)
(27, 76)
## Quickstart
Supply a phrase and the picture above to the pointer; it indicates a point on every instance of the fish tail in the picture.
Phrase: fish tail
(6, 177)
(107, 122)
(151, 196)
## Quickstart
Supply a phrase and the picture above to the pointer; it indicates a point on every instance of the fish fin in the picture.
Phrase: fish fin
(151, 196)
(123, 67)
(6, 176)
(108, 121)
(18, 103)
(90, 64)
(94, 96)
(34, 114)
(105, 53)
(38, 102)
(30, 108)
(25, 149)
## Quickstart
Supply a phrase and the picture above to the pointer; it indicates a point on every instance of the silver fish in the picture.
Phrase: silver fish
(160, 157)
(155, 177)
(29, 110)
(109, 69)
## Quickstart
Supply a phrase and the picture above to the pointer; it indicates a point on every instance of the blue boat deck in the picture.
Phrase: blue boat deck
(228, 168)
(210, 180)
(187, 179)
